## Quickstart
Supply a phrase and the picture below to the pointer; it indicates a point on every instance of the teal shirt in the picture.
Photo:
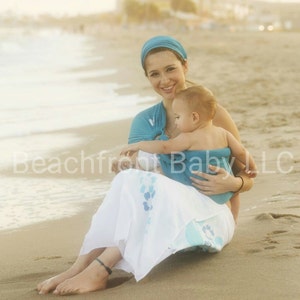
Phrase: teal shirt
(179, 166)
(150, 124)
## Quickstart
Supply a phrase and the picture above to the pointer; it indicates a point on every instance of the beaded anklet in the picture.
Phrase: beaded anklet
(109, 271)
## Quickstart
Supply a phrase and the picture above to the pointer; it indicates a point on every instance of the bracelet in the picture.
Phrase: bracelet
(242, 185)
(108, 270)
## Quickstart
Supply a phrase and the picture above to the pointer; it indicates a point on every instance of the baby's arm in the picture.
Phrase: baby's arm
(241, 153)
(180, 143)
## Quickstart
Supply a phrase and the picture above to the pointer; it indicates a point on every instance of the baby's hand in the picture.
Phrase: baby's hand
(251, 173)
(129, 150)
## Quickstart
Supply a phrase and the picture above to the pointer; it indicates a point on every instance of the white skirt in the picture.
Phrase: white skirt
(149, 217)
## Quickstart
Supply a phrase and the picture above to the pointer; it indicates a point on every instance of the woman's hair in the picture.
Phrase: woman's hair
(199, 99)
(162, 43)
(160, 49)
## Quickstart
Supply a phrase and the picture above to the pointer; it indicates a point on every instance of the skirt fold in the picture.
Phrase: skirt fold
(149, 217)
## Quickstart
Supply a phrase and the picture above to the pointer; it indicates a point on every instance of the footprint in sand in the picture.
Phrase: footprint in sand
(276, 119)
(281, 143)
(47, 257)
(270, 216)
(283, 241)
(271, 239)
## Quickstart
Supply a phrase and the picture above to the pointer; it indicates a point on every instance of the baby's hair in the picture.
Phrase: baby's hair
(199, 99)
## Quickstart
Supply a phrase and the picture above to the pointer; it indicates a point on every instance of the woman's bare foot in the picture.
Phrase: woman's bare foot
(80, 264)
(50, 284)
(93, 278)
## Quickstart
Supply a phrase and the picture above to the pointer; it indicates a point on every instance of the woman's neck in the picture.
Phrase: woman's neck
(168, 105)
(169, 112)
(170, 128)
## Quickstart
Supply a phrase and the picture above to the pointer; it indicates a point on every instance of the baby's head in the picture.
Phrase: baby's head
(198, 99)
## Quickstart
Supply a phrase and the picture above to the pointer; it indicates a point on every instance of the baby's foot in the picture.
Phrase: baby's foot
(93, 278)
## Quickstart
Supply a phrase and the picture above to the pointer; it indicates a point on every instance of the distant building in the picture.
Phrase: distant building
(274, 16)
(243, 14)
(163, 5)
(224, 9)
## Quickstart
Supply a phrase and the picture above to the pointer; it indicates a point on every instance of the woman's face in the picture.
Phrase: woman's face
(166, 73)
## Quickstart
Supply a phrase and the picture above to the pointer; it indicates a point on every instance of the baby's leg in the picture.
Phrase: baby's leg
(235, 206)
(80, 264)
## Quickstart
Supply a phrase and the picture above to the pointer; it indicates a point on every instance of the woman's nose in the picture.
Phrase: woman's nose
(164, 78)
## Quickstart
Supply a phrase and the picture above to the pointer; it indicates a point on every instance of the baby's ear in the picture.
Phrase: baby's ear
(195, 116)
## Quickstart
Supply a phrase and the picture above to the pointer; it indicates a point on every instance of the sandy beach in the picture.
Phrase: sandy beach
(256, 76)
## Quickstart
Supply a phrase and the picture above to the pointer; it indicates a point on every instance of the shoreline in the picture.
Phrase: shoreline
(95, 138)
(86, 163)
(262, 259)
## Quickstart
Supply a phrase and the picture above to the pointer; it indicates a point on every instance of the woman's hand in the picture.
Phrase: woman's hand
(219, 183)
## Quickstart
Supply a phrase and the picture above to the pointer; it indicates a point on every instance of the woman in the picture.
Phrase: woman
(146, 217)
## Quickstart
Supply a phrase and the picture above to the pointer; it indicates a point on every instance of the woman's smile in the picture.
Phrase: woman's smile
(168, 89)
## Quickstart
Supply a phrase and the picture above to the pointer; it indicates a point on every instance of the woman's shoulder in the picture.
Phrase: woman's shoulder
(154, 110)
(153, 116)
(148, 123)
(221, 114)
(223, 119)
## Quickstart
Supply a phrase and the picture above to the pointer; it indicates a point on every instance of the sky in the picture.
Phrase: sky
(70, 7)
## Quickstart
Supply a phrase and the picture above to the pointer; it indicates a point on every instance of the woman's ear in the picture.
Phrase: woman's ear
(195, 116)
(185, 66)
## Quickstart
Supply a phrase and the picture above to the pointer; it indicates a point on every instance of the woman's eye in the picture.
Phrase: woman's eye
(154, 75)
(170, 69)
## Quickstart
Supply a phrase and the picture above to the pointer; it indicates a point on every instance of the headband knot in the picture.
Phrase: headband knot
(162, 41)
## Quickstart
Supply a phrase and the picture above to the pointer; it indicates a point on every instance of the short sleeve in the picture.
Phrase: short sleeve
(140, 130)
(147, 124)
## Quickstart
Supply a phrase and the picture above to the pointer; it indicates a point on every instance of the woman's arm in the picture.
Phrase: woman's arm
(223, 119)
(238, 151)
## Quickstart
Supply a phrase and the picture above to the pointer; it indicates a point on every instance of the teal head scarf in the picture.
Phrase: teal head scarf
(162, 41)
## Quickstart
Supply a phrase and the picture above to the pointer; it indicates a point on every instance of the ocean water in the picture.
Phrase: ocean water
(25, 201)
(41, 90)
